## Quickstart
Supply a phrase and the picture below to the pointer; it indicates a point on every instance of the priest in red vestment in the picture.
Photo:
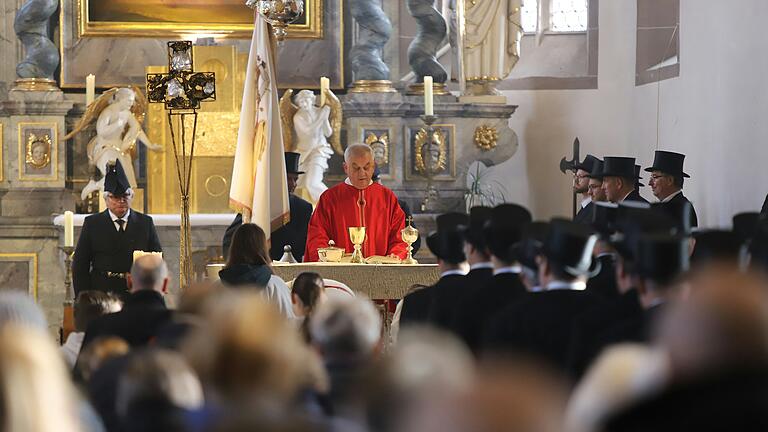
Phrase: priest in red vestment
(357, 201)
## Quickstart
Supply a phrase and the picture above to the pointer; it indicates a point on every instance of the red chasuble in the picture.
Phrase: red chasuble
(343, 206)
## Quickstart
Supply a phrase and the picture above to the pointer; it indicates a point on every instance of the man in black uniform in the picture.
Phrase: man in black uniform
(581, 185)
(104, 252)
(620, 180)
(294, 233)
(667, 184)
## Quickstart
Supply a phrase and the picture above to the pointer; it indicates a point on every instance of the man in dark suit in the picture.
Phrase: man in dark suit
(503, 230)
(667, 184)
(432, 304)
(581, 186)
(620, 180)
(144, 311)
(104, 251)
(539, 323)
(294, 233)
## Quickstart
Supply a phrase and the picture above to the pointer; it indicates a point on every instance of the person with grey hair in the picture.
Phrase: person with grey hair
(105, 248)
(357, 202)
(144, 312)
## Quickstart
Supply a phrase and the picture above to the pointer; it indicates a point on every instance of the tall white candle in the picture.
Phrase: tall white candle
(69, 229)
(428, 102)
(325, 84)
(90, 89)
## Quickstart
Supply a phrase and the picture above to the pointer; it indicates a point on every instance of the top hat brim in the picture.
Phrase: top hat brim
(652, 169)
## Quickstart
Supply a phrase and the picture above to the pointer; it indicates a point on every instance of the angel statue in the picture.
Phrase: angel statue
(118, 114)
(312, 126)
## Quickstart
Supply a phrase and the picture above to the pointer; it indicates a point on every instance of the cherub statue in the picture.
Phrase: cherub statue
(118, 114)
(312, 126)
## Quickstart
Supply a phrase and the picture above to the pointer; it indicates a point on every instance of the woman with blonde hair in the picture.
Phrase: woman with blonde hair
(35, 391)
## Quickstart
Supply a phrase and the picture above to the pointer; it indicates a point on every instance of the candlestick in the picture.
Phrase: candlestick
(69, 229)
(325, 84)
(90, 89)
(428, 102)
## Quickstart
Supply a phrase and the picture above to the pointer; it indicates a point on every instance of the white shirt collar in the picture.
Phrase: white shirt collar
(560, 285)
(670, 197)
(481, 265)
(349, 182)
(114, 217)
(510, 269)
(585, 202)
(452, 272)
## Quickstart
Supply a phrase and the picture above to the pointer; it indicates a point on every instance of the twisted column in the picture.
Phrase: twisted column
(375, 30)
(32, 28)
(432, 30)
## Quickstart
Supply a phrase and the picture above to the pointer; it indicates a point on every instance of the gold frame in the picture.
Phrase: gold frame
(54, 154)
(31, 140)
(392, 145)
(449, 174)
(312, 29)
(32, 259)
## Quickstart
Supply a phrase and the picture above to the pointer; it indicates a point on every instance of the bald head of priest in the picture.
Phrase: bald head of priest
(357, 202)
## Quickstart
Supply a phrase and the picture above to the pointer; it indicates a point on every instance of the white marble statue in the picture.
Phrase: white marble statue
(118, 114)
(312, 128)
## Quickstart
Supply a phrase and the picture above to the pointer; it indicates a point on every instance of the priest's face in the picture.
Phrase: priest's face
(359, 168)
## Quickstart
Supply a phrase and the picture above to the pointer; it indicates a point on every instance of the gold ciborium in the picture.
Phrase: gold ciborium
(357, 236)
(409, 235)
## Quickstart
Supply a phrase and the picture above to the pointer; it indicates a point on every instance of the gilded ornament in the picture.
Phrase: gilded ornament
(379, 146)
(38, 151)
(432, 151)
(486, 137)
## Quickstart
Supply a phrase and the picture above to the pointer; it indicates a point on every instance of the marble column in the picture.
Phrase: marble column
(422, 51)
(370, 72)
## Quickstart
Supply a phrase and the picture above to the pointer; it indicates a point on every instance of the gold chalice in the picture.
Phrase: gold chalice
(357, 236)
(409, 235)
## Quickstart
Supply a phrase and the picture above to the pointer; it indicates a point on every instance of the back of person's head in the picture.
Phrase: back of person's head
(306, 293)
(149, 272)
(90, 305)
(249, 246)
(98, 352)
(35, 391)
(247, 351)
(18, 308)
(346, 329)
(154, 389)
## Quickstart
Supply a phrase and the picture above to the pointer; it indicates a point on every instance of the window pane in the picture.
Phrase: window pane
(568, 15)
(529, 16)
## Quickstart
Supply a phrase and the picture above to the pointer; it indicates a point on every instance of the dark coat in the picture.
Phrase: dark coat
(635, 196)
(101, 248)
(586, 341)
(675, 206)
(449, 304)
(246, 274)
(538, 324)
(764, 210)
(445, 301)
(293, 233)
(485, 301)
(143, 314)
(418, 306)
(604, 283)
(584, 216)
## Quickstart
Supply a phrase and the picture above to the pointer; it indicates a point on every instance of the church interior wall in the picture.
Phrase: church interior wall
(713, 112)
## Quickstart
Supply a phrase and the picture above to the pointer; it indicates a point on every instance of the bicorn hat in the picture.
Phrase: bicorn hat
(447, 243)
(292, 163)
(661, 257)
(569, 246)
(115, 181)
(587, 164)
(619, 167)
(505, 228)
(473, 231)
(670, 163)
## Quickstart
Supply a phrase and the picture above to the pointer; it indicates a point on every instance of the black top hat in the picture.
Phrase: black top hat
(505, 228)
(604, 215)
(115, 181)
(716, 245)
(569, 246)
(597, 170)
(619, 167)
(473, 231)
(292, 163)
(527, 249)
(635, 220)
(669, 163)
(637, 176)
(745, 225)
(661, 258)
(447, 243)
(588, 164)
